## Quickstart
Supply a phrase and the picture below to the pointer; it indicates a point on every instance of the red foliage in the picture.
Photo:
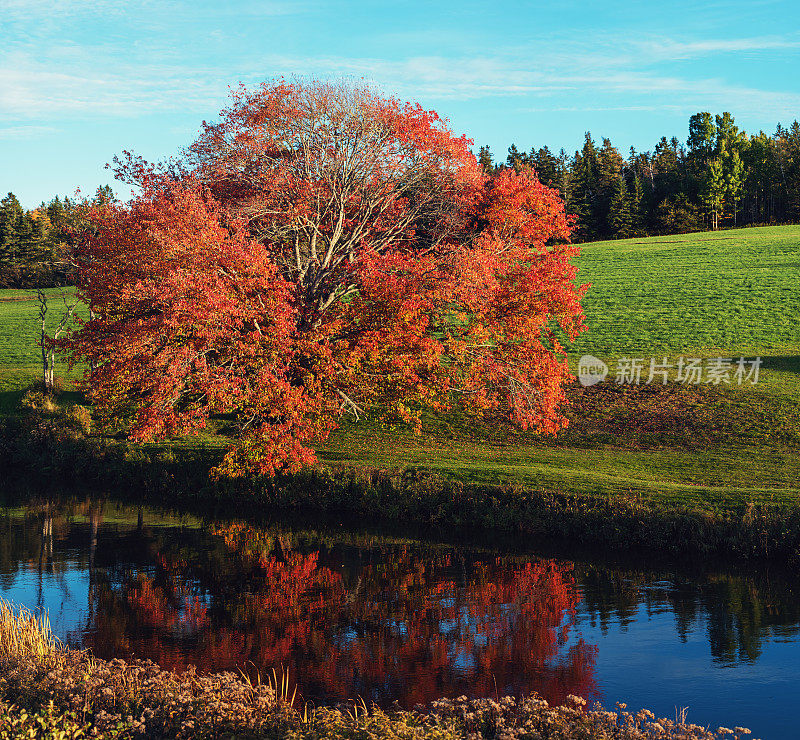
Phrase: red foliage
(401, 625)
(323, 250)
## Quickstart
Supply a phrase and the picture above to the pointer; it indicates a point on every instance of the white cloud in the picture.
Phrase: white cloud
(154, 74)
(670, 49)
(487, 77)
(30, 89)
(25, 132)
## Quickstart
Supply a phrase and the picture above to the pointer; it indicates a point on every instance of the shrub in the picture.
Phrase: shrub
(80, 417)
(119, 699)
(49, 722)
(36, 399)
(115, 699)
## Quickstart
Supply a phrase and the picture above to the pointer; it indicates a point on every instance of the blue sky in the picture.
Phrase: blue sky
(82, 80)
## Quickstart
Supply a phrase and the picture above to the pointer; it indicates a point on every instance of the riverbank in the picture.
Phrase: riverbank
(680, 468)
(51, 446)
(45, 689)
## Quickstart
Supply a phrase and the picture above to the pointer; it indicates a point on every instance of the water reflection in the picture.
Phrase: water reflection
(739, 613)
(381, 620)
(381, 617)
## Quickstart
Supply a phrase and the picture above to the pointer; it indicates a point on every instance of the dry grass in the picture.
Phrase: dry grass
(124, 700)
(25, 635)
(49, 692)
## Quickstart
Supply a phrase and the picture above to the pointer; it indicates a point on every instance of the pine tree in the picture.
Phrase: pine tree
(637, 207)
(563, 175)
(546, 166)
(32, 243)
(584, 191)
(667, 175)
(762, 178)
(485, 160)
(515, 159)
(619, 213)
(103, 194)
(609, 169)
(788, 151)
(11, 215)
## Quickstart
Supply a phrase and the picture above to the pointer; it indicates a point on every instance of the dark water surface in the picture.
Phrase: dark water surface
(388, 618)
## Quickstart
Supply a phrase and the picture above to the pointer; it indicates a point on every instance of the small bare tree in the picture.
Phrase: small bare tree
(46, 340)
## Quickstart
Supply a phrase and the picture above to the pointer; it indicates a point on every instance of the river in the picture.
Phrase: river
(399, 617)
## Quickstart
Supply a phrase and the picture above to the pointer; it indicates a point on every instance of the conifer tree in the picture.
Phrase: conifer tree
(11, 214)
(609, 170)
(485, 160)
(636, 206)
(584, 191)
(516, 159)
(546, 166)
(619, 213)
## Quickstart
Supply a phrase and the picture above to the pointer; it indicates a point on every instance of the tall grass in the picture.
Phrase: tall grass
(25, 635)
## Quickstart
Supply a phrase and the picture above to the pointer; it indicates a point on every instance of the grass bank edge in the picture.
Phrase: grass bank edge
(56, 454)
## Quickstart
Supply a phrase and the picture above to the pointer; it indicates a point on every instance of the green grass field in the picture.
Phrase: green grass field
(725, 294)
(20, 358)
(728, 293)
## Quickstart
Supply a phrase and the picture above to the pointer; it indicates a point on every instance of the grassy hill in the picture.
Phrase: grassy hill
(725, 294)
(729, 290)
(729, 293)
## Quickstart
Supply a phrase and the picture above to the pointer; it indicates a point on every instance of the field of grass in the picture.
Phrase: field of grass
(731, 294)
(728, 293)
(725, 294)
(20, 358)
(712, 291)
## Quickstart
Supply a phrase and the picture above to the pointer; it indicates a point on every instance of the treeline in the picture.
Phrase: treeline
(720, 177)
(34, 244)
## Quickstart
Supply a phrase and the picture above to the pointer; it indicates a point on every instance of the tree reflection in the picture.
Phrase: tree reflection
(737, 614)
(391, 623)
(356, 614)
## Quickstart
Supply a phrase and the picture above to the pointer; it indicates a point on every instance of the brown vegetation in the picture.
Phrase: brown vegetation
(118, 699)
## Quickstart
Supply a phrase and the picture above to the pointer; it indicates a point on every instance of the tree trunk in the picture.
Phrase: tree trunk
(93, 364)
(51, 369)
(46, 370)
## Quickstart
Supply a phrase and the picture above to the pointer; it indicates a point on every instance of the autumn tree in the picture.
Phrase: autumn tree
(323, 250)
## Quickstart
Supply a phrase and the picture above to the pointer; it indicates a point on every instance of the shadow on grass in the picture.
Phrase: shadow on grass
(10, 399)
(782, 363)
(72, 398)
